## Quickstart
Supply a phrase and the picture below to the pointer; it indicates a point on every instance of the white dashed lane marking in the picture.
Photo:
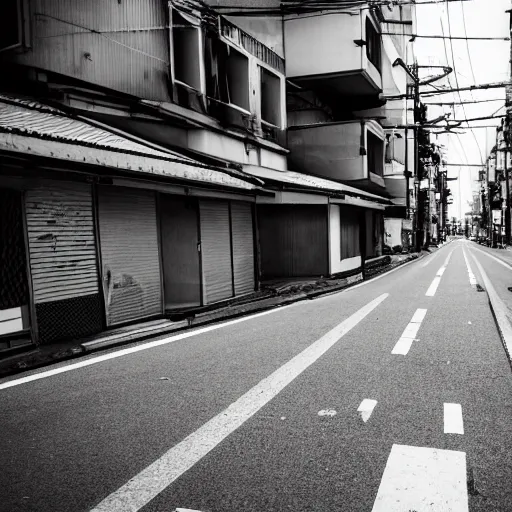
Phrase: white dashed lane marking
(421, 479)
(453, 422)
(366, 408)
(435, 283)
(403, 345)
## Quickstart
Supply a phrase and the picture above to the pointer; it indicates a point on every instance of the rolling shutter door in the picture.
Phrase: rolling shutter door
(62, 247)
(216, 251)
(243, 247)
(130, 254)
(63, 260)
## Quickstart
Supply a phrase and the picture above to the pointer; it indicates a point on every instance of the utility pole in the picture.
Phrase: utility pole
(507, 200)
(416, 181)
(488, 206)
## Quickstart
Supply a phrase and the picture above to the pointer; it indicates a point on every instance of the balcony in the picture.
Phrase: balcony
(335, 51)
(396, 187)
(351, 151)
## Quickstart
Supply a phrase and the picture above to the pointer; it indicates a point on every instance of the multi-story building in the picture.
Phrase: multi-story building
(160, 156)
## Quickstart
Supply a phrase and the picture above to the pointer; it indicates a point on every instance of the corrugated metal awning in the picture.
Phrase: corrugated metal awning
(27, 126)
(310, 182)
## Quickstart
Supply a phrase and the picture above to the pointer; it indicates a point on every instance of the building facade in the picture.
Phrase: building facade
(166, 156)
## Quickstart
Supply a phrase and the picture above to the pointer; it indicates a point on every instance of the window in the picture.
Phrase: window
(373, 49)
(375, 154)
(185, 46)
(227, 73)
(270, 97)
(11, 29)
(349, 233)
(237, 78)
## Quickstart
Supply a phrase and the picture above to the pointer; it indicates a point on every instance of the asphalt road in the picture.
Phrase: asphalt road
(228, 419)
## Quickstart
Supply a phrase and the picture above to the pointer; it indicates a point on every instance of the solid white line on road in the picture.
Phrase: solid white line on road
(440, 272)
(499, 308)
(142, 488)
(403, 345)
(423, 479)
(453, 423)
(131, 350)
(500, 261)
(472, 279)
(366, 408)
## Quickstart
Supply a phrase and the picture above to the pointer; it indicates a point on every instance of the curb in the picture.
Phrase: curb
(86, 348)
(499, 312)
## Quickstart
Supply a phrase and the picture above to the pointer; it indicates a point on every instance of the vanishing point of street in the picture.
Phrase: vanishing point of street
(391, 395)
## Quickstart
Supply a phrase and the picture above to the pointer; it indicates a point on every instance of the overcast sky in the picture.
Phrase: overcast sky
(477, 62)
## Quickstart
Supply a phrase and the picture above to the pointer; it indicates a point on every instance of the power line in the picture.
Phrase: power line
(465, 102)
(463, 38)
(457, 80)
(495, 85)
(467, 43)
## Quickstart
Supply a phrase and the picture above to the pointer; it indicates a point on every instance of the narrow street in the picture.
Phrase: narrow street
(394, 395)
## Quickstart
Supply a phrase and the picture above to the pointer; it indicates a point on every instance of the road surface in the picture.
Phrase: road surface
(395, 395)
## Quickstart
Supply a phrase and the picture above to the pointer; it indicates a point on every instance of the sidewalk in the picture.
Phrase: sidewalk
(272, 295)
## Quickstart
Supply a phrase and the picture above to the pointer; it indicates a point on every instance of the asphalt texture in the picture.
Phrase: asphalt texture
(70, 440)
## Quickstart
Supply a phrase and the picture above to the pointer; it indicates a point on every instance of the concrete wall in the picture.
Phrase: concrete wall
(228, 148)
(330, 150)
(336, 263)
(323, 44)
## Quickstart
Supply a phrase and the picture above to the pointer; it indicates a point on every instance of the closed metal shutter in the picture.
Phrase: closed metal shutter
(61, 240)
(243, 247)
(216, 251)
(129, 254)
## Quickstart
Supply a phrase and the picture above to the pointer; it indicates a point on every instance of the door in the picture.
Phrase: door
(243, 247)
(180, 251)
(129, 254)
(216, 251)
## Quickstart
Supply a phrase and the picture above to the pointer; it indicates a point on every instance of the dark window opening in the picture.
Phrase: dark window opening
(373, 45)
(270, 97)
(237, 78)
(227, 73)
(375, 154)
(11, 34)
(185, 43)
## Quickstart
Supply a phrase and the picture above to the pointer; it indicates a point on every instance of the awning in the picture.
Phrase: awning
(312, 183)
(32, 128)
